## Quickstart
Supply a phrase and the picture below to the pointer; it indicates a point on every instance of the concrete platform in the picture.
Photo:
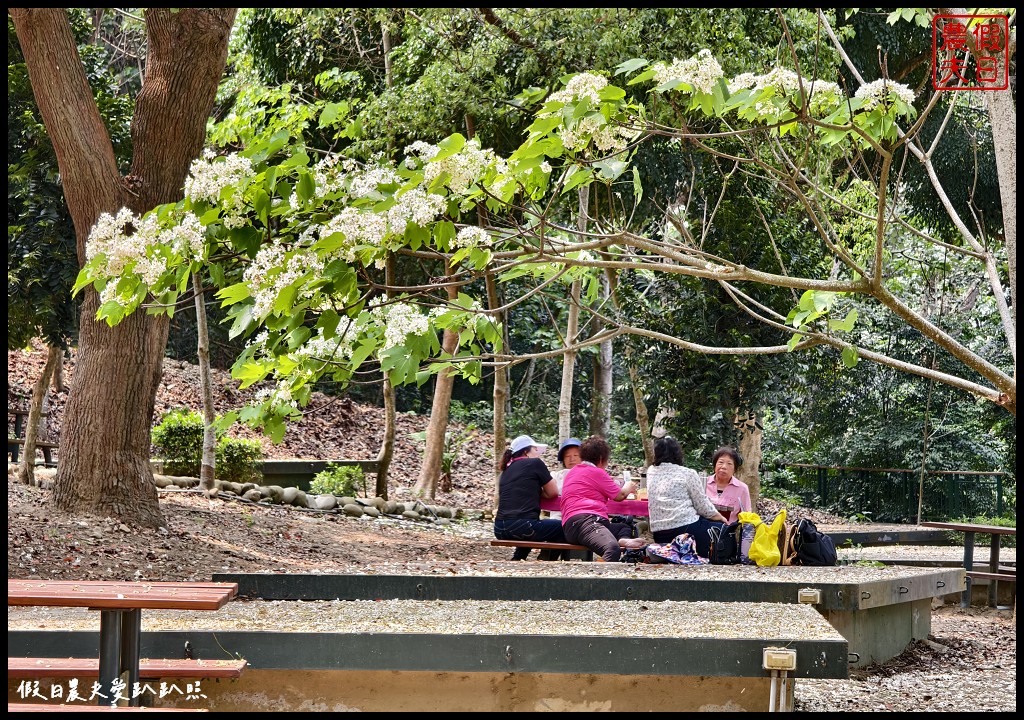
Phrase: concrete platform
(879, 611)
(471, 655)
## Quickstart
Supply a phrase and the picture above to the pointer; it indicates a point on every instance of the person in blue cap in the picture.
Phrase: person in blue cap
(569, 457)
(524, 479)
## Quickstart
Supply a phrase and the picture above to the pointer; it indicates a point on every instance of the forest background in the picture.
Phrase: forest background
(913, 369)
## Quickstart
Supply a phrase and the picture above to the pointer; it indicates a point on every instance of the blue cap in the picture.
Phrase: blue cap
(571, 442)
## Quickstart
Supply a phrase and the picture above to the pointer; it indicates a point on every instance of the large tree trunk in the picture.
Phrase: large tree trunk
(748, 432)
(33, 423)
(105, 439)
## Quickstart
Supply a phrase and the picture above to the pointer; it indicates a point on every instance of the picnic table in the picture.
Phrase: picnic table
(969, 530)
(15, 441)
(637, 508)
(120, 605)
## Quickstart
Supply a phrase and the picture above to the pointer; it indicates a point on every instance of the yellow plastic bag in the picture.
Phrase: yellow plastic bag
(765, 549)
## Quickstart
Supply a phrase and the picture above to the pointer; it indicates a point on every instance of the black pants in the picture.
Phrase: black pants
(525, 529)
(597, 533)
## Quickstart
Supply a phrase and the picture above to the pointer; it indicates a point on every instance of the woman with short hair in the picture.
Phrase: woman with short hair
(586, 490)
(729, 495)
(676, 499)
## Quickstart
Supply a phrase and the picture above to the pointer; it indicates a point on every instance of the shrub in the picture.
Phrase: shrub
(239, 460)
(339, 480)
(178, 439)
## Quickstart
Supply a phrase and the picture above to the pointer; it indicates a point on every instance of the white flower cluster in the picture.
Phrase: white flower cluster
(701, 72)
(466, 167)
(279, 397)
(471, 236)
(419, 153)
(399, 321)
(273, 269)
(580, 86)
(607, 138)
(879, 92)
(825, 96)
(364, 183)
(324, 349)
(209, 175)
(146, 252)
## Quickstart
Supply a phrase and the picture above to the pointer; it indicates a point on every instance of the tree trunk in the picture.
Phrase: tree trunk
(207, 470)
(1002, 113)
(105, 440)
(748, 430)
(387, 442)
(643, 420)
(569, 365)
(430, 471)
(501, 393)
(27, 469)
(601, 403)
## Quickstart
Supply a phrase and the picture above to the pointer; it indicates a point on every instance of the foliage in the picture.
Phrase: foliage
(454, 441)
(178, 439)
(239, 460)
(341, 480)
(297, 245)
(42, 255)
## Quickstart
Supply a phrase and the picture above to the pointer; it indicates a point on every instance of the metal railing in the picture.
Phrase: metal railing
(891, 494)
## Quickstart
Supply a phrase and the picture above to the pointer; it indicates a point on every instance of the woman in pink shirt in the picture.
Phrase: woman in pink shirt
(729, 495)
(586, 490)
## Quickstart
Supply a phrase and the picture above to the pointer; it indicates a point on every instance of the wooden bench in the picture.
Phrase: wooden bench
(43, 707)
(15, 442)
(994, 570)
(588, 554)
(33, 668)
(120, 605)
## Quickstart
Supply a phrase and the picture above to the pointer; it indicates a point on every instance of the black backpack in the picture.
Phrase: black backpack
(813, 547)
(725, 544)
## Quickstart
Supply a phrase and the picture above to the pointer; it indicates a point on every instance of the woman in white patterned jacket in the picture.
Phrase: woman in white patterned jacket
(676, 499)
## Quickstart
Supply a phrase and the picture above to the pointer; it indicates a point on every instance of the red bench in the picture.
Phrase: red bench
(32, 668)
(588, 554)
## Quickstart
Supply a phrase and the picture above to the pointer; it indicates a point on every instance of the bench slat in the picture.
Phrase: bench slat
(538, 545)
(33, 668)
(1001, 577)
(42, 708)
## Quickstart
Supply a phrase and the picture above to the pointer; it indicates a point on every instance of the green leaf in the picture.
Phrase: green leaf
(305, 189)
(578, 177)
(850, 357)
(610, 169)
(638, 187)
(642, 77)
(630, 66)
(234, 293)
(846, 324)
(450, 146)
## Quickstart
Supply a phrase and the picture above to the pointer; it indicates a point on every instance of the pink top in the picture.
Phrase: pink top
(587, 489)
(736, 494)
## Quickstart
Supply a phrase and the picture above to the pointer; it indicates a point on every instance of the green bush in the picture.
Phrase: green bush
(239, 460)
(178, 439)
(339, 480)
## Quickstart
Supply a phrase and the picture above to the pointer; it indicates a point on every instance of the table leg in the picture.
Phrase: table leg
(110, 653)
(993, 567)
(131, 636)
(965, 598)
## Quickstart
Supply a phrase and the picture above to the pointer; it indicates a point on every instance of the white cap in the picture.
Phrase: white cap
(524, 441)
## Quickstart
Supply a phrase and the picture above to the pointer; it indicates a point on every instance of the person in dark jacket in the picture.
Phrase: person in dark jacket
(524, 479)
